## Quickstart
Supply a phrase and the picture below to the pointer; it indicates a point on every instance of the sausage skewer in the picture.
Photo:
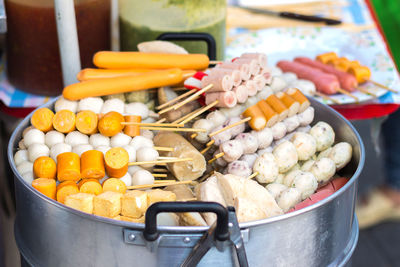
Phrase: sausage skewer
(192, 97)
(176, 99)
(200, 111)
(229, 126)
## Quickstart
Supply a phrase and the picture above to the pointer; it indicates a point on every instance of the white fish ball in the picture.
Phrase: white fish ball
(306, 183)
(33, 136)
(134, 168)
(37, 150)
(114, 104)
(76, 138)
(103, 149)
(142, 177)
(63, 103)
(28, 177)
(147, 134)
(120, 140)
(341, 154)
(54, 137)
(323, 169)
(127, 179)
(131, 152)
(20, 156)
(58, 149)
(305, 144)
(138, 109)
(80, 149)
(94, 104)
(140, 141)
(25, 167)
(288, 199)
(146, 154)
(285, 155)
(99, 140)
(323, 134)
(276, 189)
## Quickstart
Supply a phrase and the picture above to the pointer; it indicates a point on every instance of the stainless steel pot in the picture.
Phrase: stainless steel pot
(51, 234)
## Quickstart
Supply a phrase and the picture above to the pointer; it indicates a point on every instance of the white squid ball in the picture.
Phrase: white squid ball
(278, 130)
(147, 133)
(341, 154)
(134, 168)
(220, 161)
(27, 130)
(232, 149)
(202, 137)
(120, 140)
(278, 84)
(37, 150)
(249, 158)
(305, 144)
(20, 156)
(59, 148)
(324, 153)
(146, 154)
(267, 168)
(54, 137)
(25, 167)
(305, 86)
(306, 117)
(76, 138)
(28, 177)
(323, 134)
(288, 199)
(289, 177)
(131, 152)
(236, 129)
(286, 156)
(239, 168)
(306, 183)
(323, 169)
(265, 150)
(264, 137)
(33, 136)
(142, 177)
(291, 123)
(63, 103)
(114, 104)
(127, 179)
(140, 141)
(279, 179)
(21, 144)
(103, 149)
(99, 140)
(80, 149)
(276, 189)
(216, 118)
(249, 142)
(289, 77)
(306, 166)
(138, 109)
(94, 104)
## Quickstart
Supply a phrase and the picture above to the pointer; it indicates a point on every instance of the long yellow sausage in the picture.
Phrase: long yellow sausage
(123, 84)
(129, 60)
(90, 74)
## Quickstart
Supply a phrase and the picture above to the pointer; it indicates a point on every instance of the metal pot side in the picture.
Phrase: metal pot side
(51, 234)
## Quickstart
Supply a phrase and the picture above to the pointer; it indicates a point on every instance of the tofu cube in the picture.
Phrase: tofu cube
(134, 204)
(159, 195)
(80, 201)
(107, 204)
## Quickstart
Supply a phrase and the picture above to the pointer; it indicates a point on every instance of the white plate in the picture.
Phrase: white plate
(287, 43)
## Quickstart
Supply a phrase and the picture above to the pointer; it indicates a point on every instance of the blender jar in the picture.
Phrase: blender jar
(142, 21)
(33, 60)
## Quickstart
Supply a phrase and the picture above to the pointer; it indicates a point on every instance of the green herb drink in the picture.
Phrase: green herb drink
(142, 21)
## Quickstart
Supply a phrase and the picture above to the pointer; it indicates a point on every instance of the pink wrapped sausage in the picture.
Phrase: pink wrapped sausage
(260, 80)
(252, 87)
(241, 93)
(347, 81)
(235, 74)
(220, 83)
(226, 99)
(260, 57)
(243, 68)
(325, 83)
(254, 68)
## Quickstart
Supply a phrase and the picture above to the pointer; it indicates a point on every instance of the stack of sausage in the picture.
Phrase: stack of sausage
(233, 82)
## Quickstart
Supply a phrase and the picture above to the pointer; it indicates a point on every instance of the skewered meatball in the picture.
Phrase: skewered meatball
(291, 123)
(306, 183)
(341, 154)
(249, 158)
(146, 154)
(53, 137)
(323, 169)
(63, 103)
(20, 156)
(94, 104)
(58, 149)
(278, 130)
(306, 166)
(76, 138)
(80, 149)
(233, 150)
(37, 150)
(140, 141)
(276, 189)
(120, 140)
(138, 109)
(267, 168)
(114, 104)
(264, 137)
(249, 142)
(202, 137)
(306, 117)
(286, 156)
(305, 144)
(99, 140)
(142, 177)
(239, 168)
(216, 118)
(289, 177)
(33, 136)
(288, 199)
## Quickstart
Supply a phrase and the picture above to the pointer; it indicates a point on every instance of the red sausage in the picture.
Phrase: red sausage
(325, 83)
(347, 81)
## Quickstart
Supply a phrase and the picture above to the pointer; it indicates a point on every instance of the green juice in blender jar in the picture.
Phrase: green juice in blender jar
(145, 21)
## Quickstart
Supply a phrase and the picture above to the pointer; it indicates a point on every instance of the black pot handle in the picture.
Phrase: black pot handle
(193, 36)
(221, 231)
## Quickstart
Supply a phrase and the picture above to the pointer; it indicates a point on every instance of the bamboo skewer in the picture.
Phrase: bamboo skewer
(171, 107)
(162, 148)
(365, 91)
(253, 175)
(214, 62)
(157, 162)
(145, 186)
(167, 158)
(210, 143)
(216, 157)
(153, 124)
(160, 170)
(176, 99)
(200, 111)
(192, 97)
(193, 136)
(160, 175)
(382, 86)
(229, 126)
(161, 120)
(327, 97)
(173, 129)
(186, 116)
(340, 90)
(163, 181)
(205, 150)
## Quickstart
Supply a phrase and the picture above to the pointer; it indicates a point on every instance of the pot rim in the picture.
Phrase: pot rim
(185, 229)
